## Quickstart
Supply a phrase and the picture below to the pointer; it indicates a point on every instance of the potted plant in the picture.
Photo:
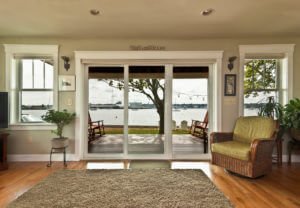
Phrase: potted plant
(291, 119)
(60, 119)
(271, 109)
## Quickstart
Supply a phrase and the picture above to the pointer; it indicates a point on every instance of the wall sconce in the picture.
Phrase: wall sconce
(66, 62)
(230, 64)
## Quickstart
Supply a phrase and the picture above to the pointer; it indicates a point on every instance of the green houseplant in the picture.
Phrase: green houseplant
(60, 119)
(271, 109)
(291, 119)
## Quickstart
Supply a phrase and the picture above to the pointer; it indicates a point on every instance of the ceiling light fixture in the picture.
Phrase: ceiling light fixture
(207, 12)
(94, 12)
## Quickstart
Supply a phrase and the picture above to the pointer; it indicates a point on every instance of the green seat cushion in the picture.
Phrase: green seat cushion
(235, 149)
(253, 127)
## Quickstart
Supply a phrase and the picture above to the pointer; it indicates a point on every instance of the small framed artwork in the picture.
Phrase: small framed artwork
(66, 83)
(230, 85)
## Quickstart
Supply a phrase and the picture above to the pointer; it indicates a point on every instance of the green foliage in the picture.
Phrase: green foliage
(291, 111)
(60, 118)
(271, 109)
(259, 75)
(152, 88)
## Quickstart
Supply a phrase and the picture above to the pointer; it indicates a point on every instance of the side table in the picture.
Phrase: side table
(291, 146)
(3, 151)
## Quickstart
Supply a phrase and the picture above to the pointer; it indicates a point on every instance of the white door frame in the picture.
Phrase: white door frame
(83, 59)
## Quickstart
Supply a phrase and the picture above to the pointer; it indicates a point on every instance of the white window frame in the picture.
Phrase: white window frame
(84, 59)
(12, 81)
(286, 69)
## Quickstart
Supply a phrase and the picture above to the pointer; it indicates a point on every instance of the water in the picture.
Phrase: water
(143, 117)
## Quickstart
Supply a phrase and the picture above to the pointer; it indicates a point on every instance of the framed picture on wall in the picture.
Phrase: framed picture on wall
(66, 83)
(230, 85)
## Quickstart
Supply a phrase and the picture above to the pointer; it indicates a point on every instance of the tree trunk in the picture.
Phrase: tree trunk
(161, 114)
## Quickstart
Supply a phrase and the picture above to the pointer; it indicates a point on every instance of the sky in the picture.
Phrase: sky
(38, 82)
(184, 91)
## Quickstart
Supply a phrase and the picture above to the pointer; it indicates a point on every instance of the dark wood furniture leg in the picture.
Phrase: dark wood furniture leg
(58, 150)
(291, 145)
(3, 151)
(279, 151)
(205, 145)
(278, 157)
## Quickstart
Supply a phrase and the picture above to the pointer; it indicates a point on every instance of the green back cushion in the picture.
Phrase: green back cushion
(253, 127)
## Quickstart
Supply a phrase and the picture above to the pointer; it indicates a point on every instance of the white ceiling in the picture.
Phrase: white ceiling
(149, 18)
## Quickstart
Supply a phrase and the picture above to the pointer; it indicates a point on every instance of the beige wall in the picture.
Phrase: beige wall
(37, 142)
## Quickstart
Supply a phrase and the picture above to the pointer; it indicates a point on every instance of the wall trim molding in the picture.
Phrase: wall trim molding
(287, 67)
(39, 127)
(84, 59)
(295, 158)
(39, 157)
(12, 77)
(73, 157)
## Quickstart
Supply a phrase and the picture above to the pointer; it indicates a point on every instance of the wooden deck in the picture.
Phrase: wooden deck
(146, 144)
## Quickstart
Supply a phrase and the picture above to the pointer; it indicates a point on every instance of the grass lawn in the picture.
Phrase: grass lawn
(142, 131)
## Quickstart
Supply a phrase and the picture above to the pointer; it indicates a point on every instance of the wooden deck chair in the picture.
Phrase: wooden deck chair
(95, 128)
(200, 130)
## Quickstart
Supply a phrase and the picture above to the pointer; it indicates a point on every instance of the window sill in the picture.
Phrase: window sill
(31, 126)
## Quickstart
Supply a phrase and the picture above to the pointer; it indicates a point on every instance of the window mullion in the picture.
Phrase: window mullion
(44, 74)
(20, 89)
(32, 73)
(252, 74)
(37, 90)
(264, 75)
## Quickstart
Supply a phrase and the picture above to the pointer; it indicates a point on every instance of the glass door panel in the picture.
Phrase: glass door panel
(189, 107)
(146, 109)
(106, 110)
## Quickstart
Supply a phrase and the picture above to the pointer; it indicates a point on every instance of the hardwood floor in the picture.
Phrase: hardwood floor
(281, 188)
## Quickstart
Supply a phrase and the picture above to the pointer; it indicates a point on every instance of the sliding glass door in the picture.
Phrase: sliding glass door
(106, 110)
(147, 111)
(146, 108)
(189, 110)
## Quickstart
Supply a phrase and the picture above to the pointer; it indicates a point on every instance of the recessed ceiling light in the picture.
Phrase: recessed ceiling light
(94, 12)
(207, 12)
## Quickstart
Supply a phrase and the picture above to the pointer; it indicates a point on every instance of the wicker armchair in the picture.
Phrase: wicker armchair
(248, 149)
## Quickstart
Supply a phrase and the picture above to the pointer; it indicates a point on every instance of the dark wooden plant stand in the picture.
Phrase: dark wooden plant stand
(278, 157)
(291, 146)
(3, 151)
(58, 150)
(59, 145)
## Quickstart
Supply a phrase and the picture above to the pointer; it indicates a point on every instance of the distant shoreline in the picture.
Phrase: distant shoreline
(136, 106)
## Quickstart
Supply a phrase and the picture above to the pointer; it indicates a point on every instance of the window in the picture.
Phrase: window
(31, 77)
(266, 74)
(36, 89)
(261, 82)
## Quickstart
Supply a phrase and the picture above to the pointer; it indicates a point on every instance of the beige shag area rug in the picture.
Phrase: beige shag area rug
(124, 189)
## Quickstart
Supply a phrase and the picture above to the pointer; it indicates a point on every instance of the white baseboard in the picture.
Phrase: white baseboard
(40, 157)
(73, 157)
(295, 158)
